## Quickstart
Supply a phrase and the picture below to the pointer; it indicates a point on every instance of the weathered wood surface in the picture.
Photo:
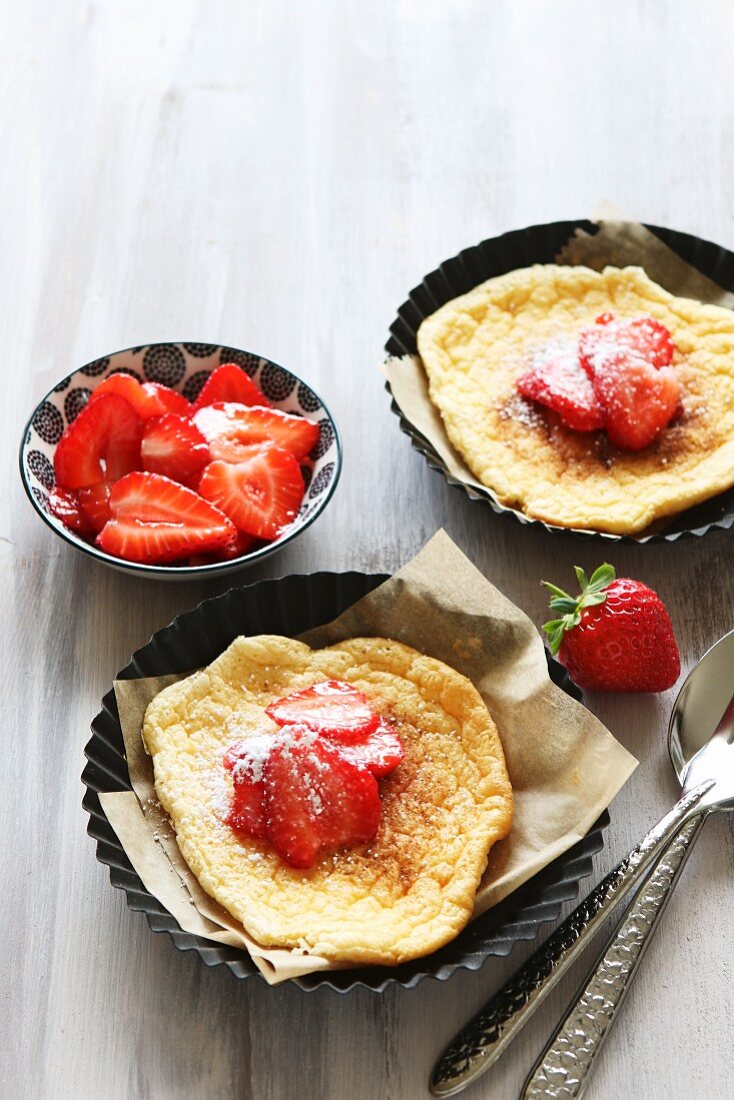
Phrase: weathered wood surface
(276, 176)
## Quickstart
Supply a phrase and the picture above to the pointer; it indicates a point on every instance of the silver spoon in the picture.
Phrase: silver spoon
(565, 1066)
(702, 752)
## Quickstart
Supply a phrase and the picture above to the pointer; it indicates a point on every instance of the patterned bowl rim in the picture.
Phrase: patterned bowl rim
(420, 444)
(184, 571)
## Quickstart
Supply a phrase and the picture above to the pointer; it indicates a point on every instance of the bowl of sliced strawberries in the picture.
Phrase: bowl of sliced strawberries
(180, 460)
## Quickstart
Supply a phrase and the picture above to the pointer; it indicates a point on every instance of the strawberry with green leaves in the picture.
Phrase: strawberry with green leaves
(615, 636)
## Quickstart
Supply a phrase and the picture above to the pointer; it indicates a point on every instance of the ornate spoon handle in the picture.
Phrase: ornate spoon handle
(494, 1027)
(564, 1068)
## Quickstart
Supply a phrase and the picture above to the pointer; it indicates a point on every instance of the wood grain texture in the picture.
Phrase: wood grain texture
(276, 176)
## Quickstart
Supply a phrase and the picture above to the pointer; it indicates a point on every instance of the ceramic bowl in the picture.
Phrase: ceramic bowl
(185, 368)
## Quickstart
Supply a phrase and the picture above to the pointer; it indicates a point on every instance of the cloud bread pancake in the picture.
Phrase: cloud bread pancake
(412, 888)
(475, 347)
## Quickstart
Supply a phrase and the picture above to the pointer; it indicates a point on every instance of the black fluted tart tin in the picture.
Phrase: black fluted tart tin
(540, 244)
(290, 606)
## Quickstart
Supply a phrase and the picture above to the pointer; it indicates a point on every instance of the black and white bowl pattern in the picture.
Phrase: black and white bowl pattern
(184, 367)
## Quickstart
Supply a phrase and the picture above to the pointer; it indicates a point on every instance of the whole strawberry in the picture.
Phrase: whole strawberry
(615, 636)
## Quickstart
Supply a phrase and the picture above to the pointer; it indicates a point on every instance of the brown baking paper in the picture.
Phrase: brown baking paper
(619, 243)
(565, 767)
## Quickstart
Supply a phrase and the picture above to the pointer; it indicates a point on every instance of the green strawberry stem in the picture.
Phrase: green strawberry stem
(569, 608)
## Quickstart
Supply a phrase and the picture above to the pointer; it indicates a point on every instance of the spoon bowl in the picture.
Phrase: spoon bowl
(700, 703)
(701, 747)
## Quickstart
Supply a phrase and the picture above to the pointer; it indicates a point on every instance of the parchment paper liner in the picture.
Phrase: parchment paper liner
(618, 243)
(564, 765)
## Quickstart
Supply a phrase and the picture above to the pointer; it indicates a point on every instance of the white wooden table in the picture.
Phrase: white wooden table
(276, 176)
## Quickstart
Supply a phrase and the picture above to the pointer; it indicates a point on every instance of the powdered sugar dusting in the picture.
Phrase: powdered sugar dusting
(251, 757)
(522, 412)
(290, 736)
(556, 347)
(295, 736)
(218, 791)
(556, 379)
(314, 799)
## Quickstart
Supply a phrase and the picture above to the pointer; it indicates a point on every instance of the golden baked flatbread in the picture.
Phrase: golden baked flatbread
(475, 347)
(411, 889)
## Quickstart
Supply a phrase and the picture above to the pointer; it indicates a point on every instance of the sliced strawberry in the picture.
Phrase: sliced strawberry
(156, 520)
(103, 443)
(380, 752)
(644, 336)
(124, 385)
(154, 498)
(247, 812)
(332, 708)
(316, 799)
(230, 383)
(230, 428)
(147, 398)
(94, 501)
(173, 446)
(159, 400)
(156, 543)
(85, 511)
(638, 400)
(241, 546)
(261, 494)
(558, 381)
(65, 506)
(245, 760)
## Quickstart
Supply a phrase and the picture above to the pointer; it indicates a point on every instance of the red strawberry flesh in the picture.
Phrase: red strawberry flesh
(157, 543)
(380, 752)
(246, 761)
(315, 799)
(242, 545)
(638, 400)
(643, 336)
(261, 494)
(230, 428)
(156, 520)
(173, 446)
(147, 398)
(558, 381)
(308, 788)
(66, 507)
(103, 443)
(230, 383)
(94, 501)
(332, 708)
